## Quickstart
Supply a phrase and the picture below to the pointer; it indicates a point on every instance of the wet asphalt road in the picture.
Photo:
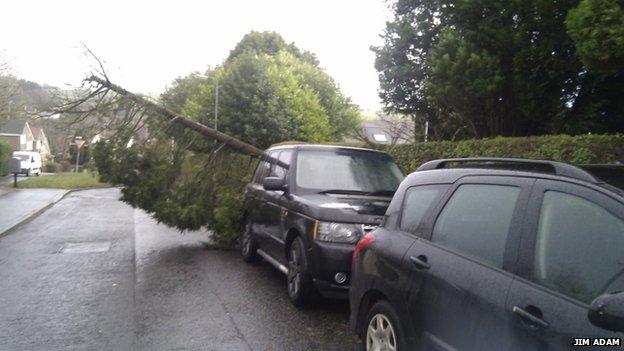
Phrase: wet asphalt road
(91, 273)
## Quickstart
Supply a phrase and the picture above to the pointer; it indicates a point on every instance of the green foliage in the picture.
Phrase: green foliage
(486, 68)
(6, 152)
(181, 89)
(271, 44)
(269, 91)
(597, 28)
(180, 188)
(462, 73)
(583, 149)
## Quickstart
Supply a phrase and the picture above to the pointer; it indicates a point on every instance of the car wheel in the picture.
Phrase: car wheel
(383, 329)
(248, 245)
(300, 286)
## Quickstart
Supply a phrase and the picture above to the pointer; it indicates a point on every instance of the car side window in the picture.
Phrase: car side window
(476, 221)
(279, 171)
(578, 249)
(418, 200)
(262, 171)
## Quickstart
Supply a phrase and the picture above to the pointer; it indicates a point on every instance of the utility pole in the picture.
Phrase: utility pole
(216, 105)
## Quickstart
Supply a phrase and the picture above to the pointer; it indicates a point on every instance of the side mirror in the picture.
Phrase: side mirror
(274, 184)
(607, 312)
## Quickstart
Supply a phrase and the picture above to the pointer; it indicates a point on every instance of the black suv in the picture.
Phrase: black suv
(493, 254)
(306, 208)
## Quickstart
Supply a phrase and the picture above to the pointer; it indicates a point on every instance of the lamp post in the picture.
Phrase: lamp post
(78, 142)
(216, 111)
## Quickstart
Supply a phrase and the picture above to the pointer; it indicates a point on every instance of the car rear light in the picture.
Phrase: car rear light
(362, 245)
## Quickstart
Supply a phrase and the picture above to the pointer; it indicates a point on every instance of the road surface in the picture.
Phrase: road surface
(91, 273)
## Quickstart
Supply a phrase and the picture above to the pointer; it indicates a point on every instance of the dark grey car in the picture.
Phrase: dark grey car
(306, 208)
(493, 254)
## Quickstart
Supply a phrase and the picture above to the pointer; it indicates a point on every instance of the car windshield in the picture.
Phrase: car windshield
(22, 157)
(347, 171)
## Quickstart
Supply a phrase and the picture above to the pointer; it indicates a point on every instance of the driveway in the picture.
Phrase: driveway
(93, 273)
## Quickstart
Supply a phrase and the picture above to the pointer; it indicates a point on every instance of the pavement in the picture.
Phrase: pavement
(19, 205)
(92, 273)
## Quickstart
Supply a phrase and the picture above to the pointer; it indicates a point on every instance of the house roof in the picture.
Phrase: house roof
(37, 132)
(12, 127)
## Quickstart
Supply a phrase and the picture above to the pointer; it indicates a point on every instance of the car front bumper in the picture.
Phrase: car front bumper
(327, 259)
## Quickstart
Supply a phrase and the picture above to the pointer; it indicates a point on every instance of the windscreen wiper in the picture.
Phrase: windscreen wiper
(343, 191)
(381, 193)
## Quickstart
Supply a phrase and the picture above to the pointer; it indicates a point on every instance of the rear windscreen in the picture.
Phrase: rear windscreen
(610, 174)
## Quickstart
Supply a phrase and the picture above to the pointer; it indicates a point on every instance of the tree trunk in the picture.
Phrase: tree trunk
(230, 141)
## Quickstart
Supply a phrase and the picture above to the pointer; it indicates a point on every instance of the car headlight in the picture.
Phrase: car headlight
(339, 232)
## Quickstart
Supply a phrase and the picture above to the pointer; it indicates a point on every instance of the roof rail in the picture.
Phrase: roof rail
(557, 168)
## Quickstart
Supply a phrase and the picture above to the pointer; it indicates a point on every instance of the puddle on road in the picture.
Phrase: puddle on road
(86, 247)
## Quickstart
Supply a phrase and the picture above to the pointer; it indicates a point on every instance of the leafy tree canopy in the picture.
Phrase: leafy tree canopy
(270, 43)
(597, 28)
(269, 91)
(485, 68)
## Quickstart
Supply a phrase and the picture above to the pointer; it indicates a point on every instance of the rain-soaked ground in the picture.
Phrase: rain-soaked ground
(91, 273)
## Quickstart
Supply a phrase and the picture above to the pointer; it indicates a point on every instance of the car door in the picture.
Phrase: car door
(276, 207)
(572, 251)
(462, 269)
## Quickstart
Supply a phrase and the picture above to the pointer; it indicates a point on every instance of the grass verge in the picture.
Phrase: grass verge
(64, 181)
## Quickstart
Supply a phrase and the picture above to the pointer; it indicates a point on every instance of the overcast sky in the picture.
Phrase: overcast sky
(147, 44)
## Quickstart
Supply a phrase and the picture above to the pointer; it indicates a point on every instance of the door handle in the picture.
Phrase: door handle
(420, 262)
(533, 318)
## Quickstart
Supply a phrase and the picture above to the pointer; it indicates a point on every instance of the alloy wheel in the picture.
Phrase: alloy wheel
(294, 274)
(380, 335)
(246, 247)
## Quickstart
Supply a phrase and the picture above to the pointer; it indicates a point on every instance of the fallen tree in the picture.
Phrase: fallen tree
(186, 174)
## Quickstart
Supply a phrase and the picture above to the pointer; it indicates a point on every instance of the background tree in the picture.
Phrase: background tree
(597, 28)
(269, 91)
(7, 88)
(486, 68)
(270, 43)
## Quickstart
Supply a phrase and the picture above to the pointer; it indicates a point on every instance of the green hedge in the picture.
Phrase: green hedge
(6, 151)
(572, 149)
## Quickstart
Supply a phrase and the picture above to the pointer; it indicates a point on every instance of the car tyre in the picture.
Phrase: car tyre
(382, 329)
(300, 285)
(249, 247)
